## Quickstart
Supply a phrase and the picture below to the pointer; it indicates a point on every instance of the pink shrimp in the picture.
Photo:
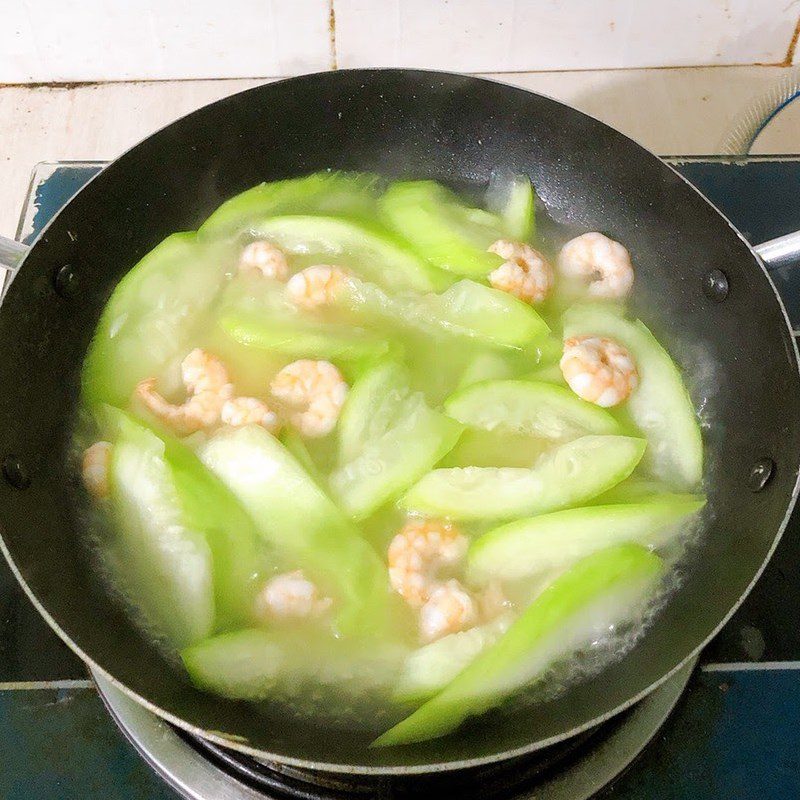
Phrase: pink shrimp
(290, 595)
(240, 411)
(316, 286)
(417, 552)
(601, 263)
(449, 609)
(525, 273)
(262, 256)
(599, 370)
(207, 385)
(314, 391)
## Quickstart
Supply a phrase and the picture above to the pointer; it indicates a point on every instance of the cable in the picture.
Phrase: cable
(745, 129)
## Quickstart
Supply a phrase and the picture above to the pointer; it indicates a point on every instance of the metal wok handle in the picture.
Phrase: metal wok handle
(777, 253)
(11, 255)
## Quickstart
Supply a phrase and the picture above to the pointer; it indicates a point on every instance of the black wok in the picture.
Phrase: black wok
(700, 286)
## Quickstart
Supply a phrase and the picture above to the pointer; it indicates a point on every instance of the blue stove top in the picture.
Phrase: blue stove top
(735, 735)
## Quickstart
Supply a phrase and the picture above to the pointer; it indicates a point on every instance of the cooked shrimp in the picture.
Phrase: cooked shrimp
(600, 262)
(525, 273)
(199, 411)
(203, 372)
(314, 391)
(290, 595)
(449, 609)
(96, 462)
(422, 548)
(207, 385)
(262, 256)
(599, 370)
(240, 411)
(316, 286)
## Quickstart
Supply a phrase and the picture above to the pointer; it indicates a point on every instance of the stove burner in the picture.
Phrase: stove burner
(572, 770)
(500, 780)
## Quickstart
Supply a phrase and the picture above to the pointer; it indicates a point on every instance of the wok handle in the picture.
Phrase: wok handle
(780, 252)
(11, 255)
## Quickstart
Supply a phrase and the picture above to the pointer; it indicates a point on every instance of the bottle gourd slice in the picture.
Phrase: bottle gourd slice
(295, 337)
(206, 506)
(660, 406)
(299, 520)
(430, 668)
(533, 409)
(512, 198)
(401, 438)
(368, 251)
(551, 541)
(602, 589)
(449, 234)
(151, 316)
(568, 475)
(163, 566)
(466, 309)
(350, 194)
(258, 664)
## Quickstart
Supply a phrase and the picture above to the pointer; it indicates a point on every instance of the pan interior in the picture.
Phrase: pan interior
(738, 355)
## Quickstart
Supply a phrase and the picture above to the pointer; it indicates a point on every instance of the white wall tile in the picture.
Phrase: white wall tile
(100, 40)
(667, 110)
(18, 47)
(519, 35)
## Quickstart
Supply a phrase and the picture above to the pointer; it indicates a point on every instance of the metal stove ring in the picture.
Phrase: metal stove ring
(195, 777)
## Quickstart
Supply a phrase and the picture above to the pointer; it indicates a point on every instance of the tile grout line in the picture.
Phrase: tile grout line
(79, 683)
(65, 85)
(751, 666)
(334, 61)
(791, 49)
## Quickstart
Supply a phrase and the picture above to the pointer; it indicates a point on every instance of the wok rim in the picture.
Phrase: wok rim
(431, 767)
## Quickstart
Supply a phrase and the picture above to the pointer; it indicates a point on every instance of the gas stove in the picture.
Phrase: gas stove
(727, 728)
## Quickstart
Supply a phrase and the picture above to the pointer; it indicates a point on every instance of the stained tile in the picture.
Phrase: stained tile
(505, 35)
(95, 40)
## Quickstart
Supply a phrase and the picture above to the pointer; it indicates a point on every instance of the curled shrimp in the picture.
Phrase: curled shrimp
(262, 256)
(314, 391)
(316, 286)
(95, 467)
(207, 385)
(449, 609)
(525, 273)
(240, 411)
(599, 370)
(600, 262)
(418, 552)
(203, 372)
(200, 410)
(290, 595)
